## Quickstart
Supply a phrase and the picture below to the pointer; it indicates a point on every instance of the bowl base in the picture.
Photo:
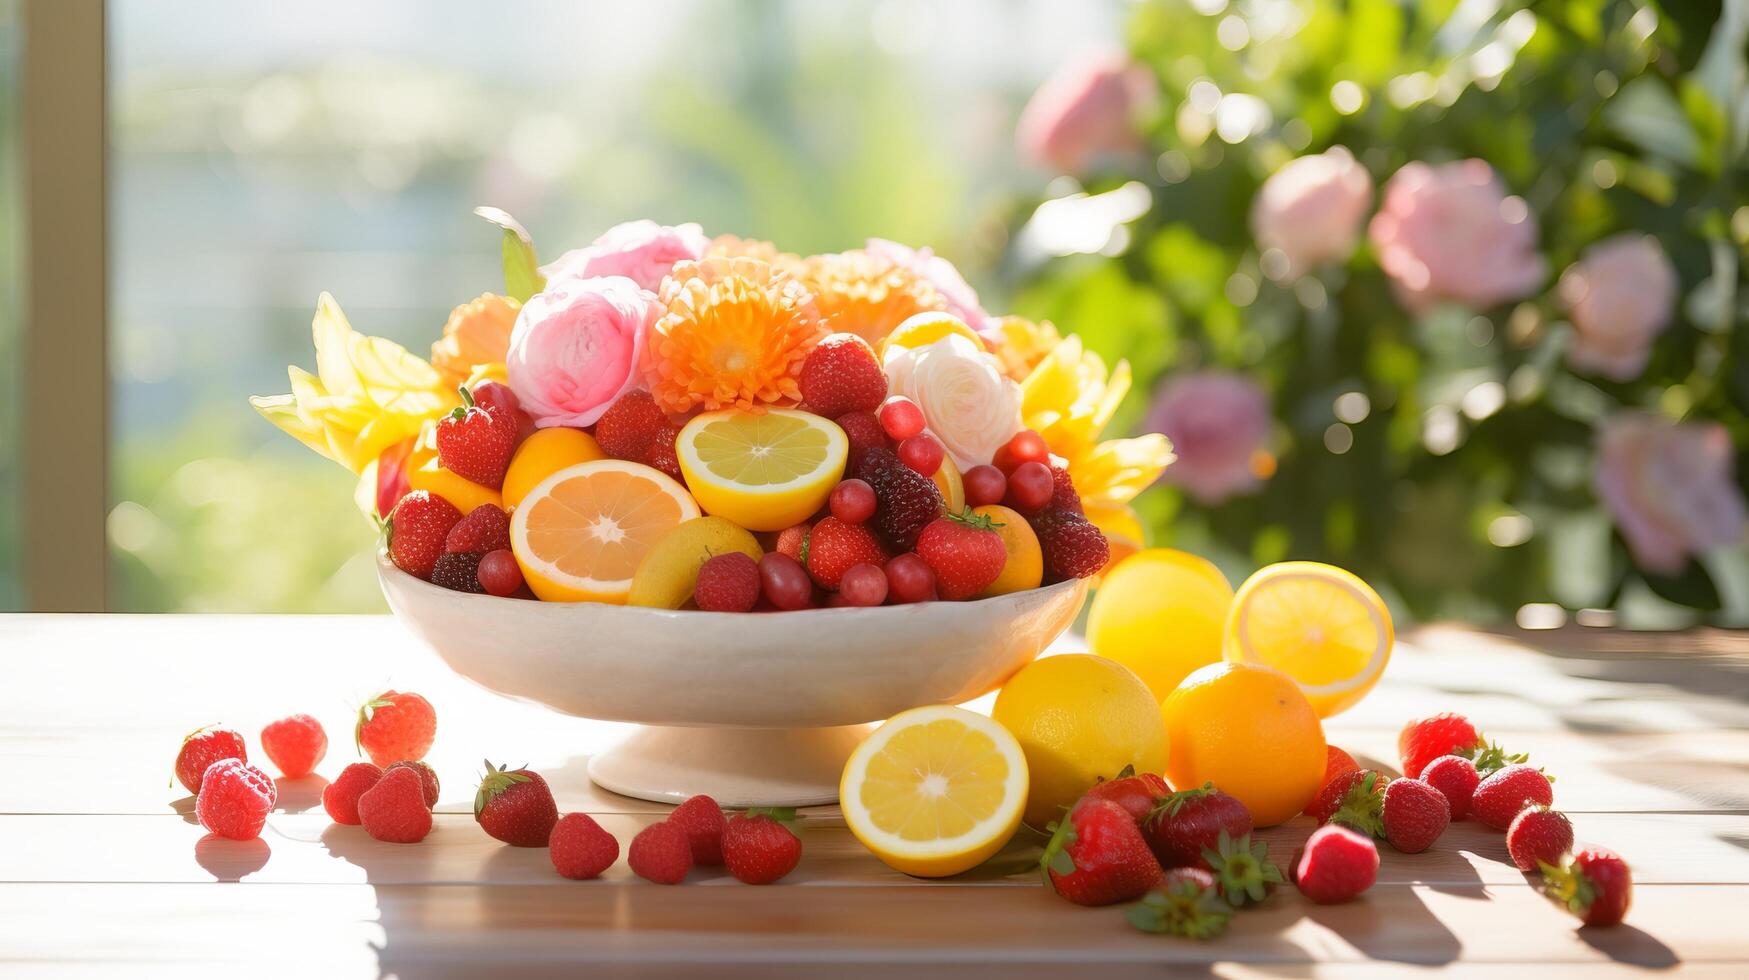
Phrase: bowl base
(737, 767)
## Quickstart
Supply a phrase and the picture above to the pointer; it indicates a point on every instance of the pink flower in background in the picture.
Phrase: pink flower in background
(1621, 295)
(576, 345)
(1084, 112)
(642, 251)
(1451, 232)
(1669, 487)
(961, 298)
(1312, 209)
(1219, 426)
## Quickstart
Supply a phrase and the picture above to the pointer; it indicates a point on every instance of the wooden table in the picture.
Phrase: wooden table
(103, 869)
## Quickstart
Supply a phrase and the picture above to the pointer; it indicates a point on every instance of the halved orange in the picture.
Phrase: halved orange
(580, 533)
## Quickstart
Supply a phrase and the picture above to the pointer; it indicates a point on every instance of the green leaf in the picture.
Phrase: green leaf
(522, 278)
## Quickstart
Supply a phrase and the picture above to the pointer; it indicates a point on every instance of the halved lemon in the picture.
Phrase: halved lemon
(935, 791)
(580, 533)
(922, 329)
(1318, 624)
(764, 472)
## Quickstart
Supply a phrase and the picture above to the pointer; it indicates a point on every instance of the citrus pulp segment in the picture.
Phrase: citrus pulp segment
(580, 533)
(765, 472)
(1318, 624)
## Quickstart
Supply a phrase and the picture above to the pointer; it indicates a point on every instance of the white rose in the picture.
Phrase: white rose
(968, 403)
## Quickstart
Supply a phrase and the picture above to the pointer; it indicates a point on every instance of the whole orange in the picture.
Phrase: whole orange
(1250, 731)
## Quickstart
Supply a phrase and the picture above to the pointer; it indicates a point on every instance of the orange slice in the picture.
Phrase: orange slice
(580, 533)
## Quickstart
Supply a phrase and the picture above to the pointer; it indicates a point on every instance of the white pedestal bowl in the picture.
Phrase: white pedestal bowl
(752, 708)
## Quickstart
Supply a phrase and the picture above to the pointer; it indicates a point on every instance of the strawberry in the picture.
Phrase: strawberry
(834, 546)
(1137, 793)
(703, 822)
(864, 431)
(1335, 865)
(295, 744)
(203, 747)
(660, 853)
(485, 528)
(1096, 855)
(459, 571)
(427, 779)
(340, 797)
(841, 374)
(965, 551)
(758, 846)
(1336, 762)
(416, 530)
(1414, 815)
(476, 442)
(1456, 777)
(1242, 868)
(1423, 740)
(393, 726)
(793, 541)
(1072, 546)
(728, 582)
(664, 452)
(234, 799)
(1182, 826)
(908, 500)
(580, 849)
(1501, 796)
(515, 806)
(499, 398)
(1063, 494)
(1188, 903)
(394, 809)
(630, 426)
(1360, 792)
(1538, 836)
(1596, 885)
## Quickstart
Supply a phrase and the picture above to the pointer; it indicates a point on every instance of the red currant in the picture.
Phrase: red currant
(1026, 446)
(786, 583)
(863, 584)
(900, 417)
(984, 484)
(1030, 487)
(852, 501)
(922, 452)
(499, 574)
(910, 579)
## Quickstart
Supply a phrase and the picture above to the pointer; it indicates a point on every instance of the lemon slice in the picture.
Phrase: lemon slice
(935, 791)
(764, 472)
(1318, 624)
(923, 329)
(581, 532)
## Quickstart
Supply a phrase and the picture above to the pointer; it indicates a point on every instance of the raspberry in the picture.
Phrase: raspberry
(486, 528)
(295, 745)
(235, 798)
(834, 546)
(1072, 546)
(908, 499)
(580, 849)
(458, 571)
(703, 822)
(202, 748)
(393, 726)
(793, 540)
(864, 432)
(340, 797)
(416, 530)
(663, 454)
(427, 779)
(629, 426)
(841, 374)
(1063, 494)
(1456, 777)
(759, 849)
(727, 583)
(394, 809)
(660, 853)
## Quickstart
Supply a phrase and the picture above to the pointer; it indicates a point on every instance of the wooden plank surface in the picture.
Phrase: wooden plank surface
(102, 867)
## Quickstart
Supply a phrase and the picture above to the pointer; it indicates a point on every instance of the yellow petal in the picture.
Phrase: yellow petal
(282, 411)
(1114, 471)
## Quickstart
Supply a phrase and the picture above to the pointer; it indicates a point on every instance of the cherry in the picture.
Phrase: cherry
(785, 582)
(1026, 446)
(863, 584)
(1030, 487)
(499, 574)
(900, 417)
(852, 501)
(922, 452)
(985, 484)
(909, 578)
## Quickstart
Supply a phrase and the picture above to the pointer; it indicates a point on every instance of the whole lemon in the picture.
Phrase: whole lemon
(543, 453)
(1250, 731)
(1025, 566)
(1160, 613)
(1079, 719)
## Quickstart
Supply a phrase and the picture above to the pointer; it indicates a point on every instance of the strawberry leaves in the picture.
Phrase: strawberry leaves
(1242, 869)
(1056, 854)
(496, 780)
(1181, 908)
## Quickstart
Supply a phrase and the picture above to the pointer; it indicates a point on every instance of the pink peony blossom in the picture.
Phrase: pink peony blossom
(576, 345)
(1451, 232)
(1620, 294)
(1085, 112)
(642, 251)
(961, 298)
(1312, 209)
(1219, 424)
(1669, 487)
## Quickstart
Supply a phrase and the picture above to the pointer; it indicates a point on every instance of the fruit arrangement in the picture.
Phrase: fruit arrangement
(632, 416)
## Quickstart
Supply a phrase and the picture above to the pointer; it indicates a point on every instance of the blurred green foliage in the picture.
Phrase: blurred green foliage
(11, 275)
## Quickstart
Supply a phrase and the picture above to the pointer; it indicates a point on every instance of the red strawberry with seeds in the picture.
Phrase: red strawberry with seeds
(704, 823)
(907, 500)
(841, 374)
(965, 551)
(1501, 796)
(515, 806)
(459, 571)
(758, 846)
(1596, 885)
(1188, 903)
(580, 849)
(660, 853)
(1414, 816)
(1335, 865)
(427, 779)
(234, 799)
(1137, 793)
(1426, 739)
(664, 452)
(1456, 777)
(1182, 826)
(1072, 546)
(394, 809)
(1242, 868)
(1360, 792)
(1538, 836)
(340, 797)
(834, 546)
(393, 726)
(793, 540)
(864, 431)
(727, 582)
(295, 744)
(203, 747)
(1096, 855)
(630, 426)
(476, 442)
(485, 528)
(416, 530)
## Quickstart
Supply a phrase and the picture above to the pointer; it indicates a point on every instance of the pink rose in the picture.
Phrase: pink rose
(1620, 294)
(575, 346)
(961, 298)
(642, 251)
(1219, 424)
(1670, 488)
(1311, 210)
(1085, 112)
(1451, 232)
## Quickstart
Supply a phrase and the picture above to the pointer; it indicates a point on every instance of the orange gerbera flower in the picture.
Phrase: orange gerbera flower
(478, 332)
(734, 333)
(736, 247)
(867, 295)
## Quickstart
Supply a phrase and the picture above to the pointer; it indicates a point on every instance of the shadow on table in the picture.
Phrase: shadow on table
(301, 794)
(231, 860)
(384, 865)
(1626, 944)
